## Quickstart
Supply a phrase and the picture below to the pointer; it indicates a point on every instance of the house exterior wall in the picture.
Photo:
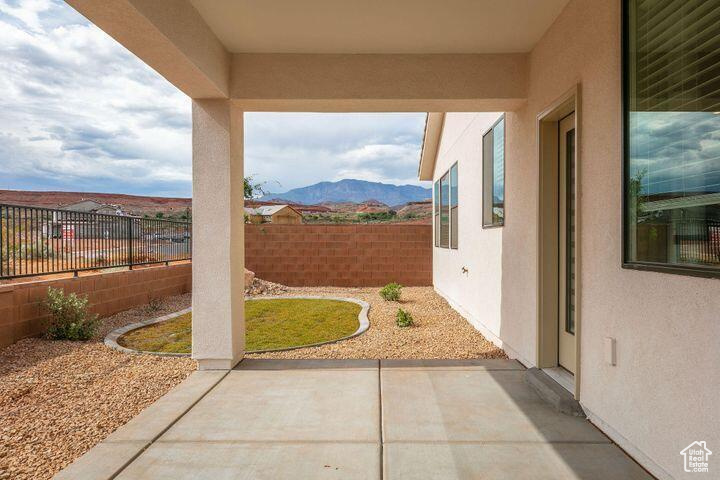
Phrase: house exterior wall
(476, 294)
(661, 395)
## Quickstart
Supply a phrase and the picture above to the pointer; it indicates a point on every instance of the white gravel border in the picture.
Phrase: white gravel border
(112, 337)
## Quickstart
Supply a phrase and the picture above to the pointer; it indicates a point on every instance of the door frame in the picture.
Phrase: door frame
(547, 232)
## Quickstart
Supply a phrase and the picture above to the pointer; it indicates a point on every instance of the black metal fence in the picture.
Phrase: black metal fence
(39, 241)
(698, 241)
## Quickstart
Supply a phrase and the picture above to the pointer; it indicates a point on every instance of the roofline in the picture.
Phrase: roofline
(434, 124)
(293, 208)
(281, 205)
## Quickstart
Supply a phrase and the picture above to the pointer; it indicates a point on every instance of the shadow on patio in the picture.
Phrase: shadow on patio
(356, 419)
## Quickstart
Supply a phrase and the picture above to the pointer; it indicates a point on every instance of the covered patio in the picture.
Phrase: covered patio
(356, 419)
(641, 325)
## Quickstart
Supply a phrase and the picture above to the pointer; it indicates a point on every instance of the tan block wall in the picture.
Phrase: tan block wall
(340, 255)
(22, 315)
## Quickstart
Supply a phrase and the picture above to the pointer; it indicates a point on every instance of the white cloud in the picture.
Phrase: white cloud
(293, 150)
(80, 112)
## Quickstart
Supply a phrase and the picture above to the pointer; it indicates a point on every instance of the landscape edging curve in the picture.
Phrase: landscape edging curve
(111, 339)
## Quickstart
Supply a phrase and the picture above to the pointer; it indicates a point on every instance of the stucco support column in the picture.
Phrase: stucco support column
(218, 324)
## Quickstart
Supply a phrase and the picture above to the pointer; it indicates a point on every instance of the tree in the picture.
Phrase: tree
(186, 215)
(635, 193)
(253, 189)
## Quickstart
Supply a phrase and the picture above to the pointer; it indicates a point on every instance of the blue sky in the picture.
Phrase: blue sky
(81, 113)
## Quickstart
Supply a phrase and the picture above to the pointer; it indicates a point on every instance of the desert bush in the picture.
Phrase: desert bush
(36, 250)
(70, 319)
(370, 217)
(101, 260)
(154, 305)
(391, 292)
(403, 319)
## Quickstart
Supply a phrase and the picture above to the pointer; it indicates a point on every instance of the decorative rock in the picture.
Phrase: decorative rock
(262, 287)
(249, 277)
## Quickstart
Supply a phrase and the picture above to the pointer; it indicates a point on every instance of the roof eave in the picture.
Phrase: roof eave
(431, 143)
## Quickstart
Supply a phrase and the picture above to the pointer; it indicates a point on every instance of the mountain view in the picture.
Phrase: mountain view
(356, 191)
(345, 201)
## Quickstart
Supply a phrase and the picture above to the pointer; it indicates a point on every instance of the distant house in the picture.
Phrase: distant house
(281, 214)
(72, 225)
(91, 206)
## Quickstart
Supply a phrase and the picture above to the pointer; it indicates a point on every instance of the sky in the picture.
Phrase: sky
(81, 113)
(675, 151)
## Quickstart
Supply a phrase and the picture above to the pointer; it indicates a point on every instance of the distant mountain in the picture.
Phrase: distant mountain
(351, 190)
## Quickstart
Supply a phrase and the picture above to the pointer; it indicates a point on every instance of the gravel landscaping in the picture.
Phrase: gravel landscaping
(439, 331)
(58, 399)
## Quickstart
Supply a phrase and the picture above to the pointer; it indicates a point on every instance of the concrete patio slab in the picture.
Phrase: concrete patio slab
(103, 461)
(256, 461)
(306, 364)
(450, 364)
(473, 406)
(153, 421)
(286, 405)
(125, 444)
(509, 461)
(322, 419)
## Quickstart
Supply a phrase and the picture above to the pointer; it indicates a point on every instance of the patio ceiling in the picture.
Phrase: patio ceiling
(330, 55)
(379, 26)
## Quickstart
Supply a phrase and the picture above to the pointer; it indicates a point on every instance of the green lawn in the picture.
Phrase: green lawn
(269, 324)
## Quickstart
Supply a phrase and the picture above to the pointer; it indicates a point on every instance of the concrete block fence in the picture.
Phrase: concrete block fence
(340, 255)
(294, 255)
(22, 315)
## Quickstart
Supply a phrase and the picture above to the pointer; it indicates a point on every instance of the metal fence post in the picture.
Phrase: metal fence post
(130, 247)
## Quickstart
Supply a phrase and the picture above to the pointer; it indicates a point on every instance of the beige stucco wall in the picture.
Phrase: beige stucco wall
(476, 294)
(218, 333)
(361, 82)
(662, 395)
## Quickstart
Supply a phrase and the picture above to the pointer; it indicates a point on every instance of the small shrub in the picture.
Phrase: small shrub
(35, 250)
(154, 305)
(391, 292)
(70, 318)
(403, 319)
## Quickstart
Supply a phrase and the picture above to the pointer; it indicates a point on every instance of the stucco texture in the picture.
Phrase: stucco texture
(476, 293)
(661, 395)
